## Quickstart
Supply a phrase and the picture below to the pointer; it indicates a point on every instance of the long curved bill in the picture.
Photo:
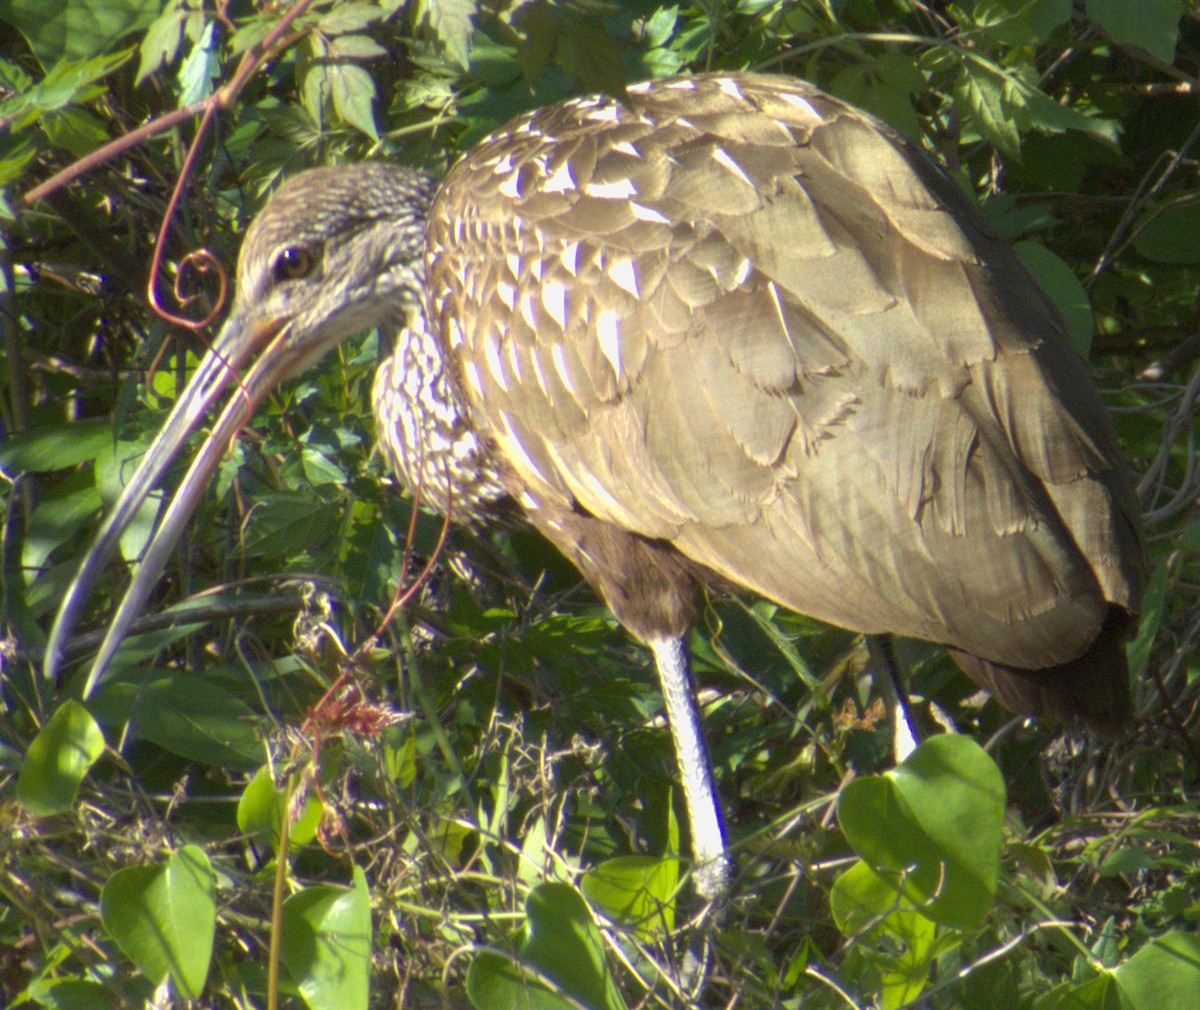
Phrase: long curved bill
(241, 340)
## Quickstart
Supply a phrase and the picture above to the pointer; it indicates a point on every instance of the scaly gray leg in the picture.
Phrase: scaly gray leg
(713, 865)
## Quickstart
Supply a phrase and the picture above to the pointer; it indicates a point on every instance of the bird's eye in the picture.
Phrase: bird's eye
(294, 263)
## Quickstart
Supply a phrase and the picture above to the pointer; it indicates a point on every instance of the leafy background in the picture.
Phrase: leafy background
(484, 812)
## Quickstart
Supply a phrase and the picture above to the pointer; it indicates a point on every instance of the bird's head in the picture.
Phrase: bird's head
(335, 252)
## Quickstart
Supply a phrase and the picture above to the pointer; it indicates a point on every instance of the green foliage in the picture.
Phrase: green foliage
(492, 771)
(164, 918)
(326, 944)
(58, 759)
(936, 822)
(561, 963)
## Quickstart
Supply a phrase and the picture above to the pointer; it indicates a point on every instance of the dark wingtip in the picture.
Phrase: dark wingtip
(1090, 691)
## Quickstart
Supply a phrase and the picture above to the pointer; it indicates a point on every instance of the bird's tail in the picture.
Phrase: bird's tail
(1091, 691)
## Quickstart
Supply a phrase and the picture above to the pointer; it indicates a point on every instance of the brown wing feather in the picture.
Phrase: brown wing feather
(748, 320)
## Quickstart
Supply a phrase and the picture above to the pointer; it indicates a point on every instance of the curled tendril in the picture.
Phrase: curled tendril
(203, 262)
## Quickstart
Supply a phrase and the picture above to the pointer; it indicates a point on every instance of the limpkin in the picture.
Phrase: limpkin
(730, 328)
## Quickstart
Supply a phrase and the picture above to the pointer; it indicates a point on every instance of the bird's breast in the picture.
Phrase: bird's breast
(426, 435)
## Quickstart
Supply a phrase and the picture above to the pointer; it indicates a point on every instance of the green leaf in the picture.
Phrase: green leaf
(191, 715)
(450, 23)
(164, 918)
(1099, 993)
(57, 760)
(937, 819)
(260, 812)
(1152, 25)
(71, 994)
(1063, 288)
(867, 909)
(60, 514)
(75, 130)
(1163, 975)
(201, 68)
(1170, 234)
(498, 982)
(1021, 22)
(349, 17)
(286, 521)
(56, 447)
(76, 29)
(326, 944)
(115, 464)
(353, 92)
(355, 47)
(990, 103)
(637, 891)
(160, 43)
(561, 964)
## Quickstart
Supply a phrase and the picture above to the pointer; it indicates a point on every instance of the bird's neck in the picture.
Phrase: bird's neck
(424, 429)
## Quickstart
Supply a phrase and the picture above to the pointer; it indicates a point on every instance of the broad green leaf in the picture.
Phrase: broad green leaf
(868, 908)
(353, 92)
(1063, 288)
(115, 464)
(349, 17)
(260, 810)
(65, 510)
(326, 944)
(498, 982)
(355, 47)
(1099, 993)
(74, 129)
(564, 955)
(164, 918)
(201, 68)
(938, 819)
(56, 447)
(1020, 22)
(1152, 25)
(1170, 235)
(76, 29)
(160, 43)
(636, 891)
(983, 94)
(57, 760)
(450, 23)
(198, 719)
(71, 994)
(288, 521)
(1163, 975)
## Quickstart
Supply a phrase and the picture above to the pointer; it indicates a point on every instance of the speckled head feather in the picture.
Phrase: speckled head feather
(337, 250)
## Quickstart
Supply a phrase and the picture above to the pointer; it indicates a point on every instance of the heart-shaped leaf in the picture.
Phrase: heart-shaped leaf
(561, 964)
(164, 918)
(637, 891)
(260, 809)
(1164, 974)
(326, 944)
(60, 756)
(938, 818)
(867, 908)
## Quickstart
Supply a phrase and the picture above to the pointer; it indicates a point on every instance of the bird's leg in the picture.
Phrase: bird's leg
(652, 590)
(906, 735)
(713, 866)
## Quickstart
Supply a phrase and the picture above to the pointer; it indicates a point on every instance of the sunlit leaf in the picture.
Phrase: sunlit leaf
(58, 759)
(164, 918)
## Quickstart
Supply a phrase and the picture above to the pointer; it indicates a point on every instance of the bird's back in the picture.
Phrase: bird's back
(746, 319)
